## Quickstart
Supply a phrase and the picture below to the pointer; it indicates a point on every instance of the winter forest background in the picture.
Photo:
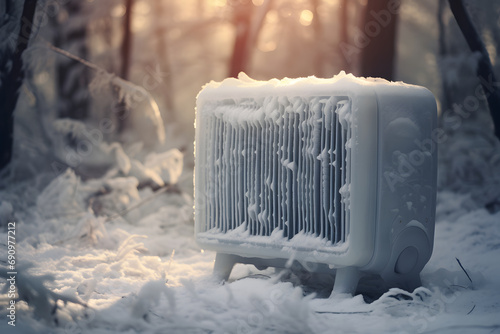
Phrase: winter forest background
(99, 175)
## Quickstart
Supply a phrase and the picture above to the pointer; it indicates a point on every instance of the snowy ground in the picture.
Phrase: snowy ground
(119, 267)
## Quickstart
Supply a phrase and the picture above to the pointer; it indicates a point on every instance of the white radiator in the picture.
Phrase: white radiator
(335, 174)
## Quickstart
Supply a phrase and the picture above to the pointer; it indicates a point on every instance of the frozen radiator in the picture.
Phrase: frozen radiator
(335, 174)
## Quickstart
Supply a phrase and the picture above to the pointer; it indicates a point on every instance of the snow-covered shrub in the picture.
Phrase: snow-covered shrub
(149, 296)
(32, 290)
(167, 164)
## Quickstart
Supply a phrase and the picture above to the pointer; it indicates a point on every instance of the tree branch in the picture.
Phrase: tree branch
(484, 68)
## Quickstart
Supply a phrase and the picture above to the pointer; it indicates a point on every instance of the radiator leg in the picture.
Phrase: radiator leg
(410, 283)
(223, 266)
(346, 281)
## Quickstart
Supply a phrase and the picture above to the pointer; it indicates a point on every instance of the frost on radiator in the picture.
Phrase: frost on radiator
(275, 164)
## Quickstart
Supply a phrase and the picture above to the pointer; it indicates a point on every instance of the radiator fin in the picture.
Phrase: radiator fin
(280, 165)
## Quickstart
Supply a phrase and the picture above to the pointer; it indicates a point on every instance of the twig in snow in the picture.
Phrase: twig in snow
(459, 286)
(472, 309)
(328, 312)
(170, 261)
(138, 204)
(259, 276)
(465, 271)
(448, 328)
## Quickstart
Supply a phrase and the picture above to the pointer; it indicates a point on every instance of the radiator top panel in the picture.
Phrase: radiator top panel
(278, 166)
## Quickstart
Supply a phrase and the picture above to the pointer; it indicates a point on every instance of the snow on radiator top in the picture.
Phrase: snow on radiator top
(342, 82)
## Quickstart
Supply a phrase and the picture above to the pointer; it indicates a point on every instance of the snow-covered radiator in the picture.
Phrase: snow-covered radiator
(331, 173)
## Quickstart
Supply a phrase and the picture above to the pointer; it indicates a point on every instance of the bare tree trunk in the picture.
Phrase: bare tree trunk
(201, 8)
(164, 59)
(127, 40)
(484, 69)
(442, 31)
(242, 21)
(343, 33)
(257, 22)
(316, 24)
(126, 48)
(72, 78)
(9, 91)
(248, 26)
(442, 53)
(377, 57)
